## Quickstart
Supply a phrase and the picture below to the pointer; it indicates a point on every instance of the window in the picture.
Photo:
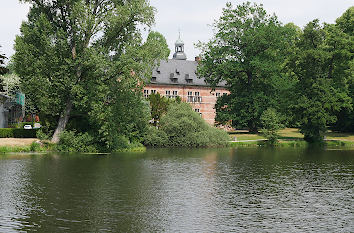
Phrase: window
(168, 93)
(195, 98)
(153, 79)
(146, 93)
(187, 76)
(153, 91)
(217, 94)
(174, 80)
(175, 94)
(198, 111)
(177, 71)
(189, 80)
(190, 96)
(172, 75)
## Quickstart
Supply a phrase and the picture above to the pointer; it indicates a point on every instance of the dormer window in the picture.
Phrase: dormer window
(172, 75)
(158, 70)
(187, 76)
(177, 71)
(153, 79)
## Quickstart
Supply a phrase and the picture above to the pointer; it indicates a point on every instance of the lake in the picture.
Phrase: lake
(199, 190)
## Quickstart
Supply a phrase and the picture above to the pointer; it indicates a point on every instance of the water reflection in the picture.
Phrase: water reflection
(179, 190)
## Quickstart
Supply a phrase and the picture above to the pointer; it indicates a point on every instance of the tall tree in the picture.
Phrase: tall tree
(247, 51)
(70, 50)
(321, 90)
(343, 31)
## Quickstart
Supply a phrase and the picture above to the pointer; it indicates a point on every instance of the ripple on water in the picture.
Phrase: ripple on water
(179, 191)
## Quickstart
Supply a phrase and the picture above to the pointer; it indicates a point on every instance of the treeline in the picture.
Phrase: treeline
(305, 75)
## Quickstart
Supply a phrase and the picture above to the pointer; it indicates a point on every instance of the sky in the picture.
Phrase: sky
(192, 17)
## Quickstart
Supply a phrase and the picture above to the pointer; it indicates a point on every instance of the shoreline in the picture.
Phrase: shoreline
(37, 147)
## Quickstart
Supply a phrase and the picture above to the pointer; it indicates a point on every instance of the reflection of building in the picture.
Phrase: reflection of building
(10, 109)
(178, 77)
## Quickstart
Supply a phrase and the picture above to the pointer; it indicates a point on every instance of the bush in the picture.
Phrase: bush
(20, 125)
(17, 133)
(41, 135)
(182, 127)
(155, 138)
(271, 126)
(70, 141)
(35, 146)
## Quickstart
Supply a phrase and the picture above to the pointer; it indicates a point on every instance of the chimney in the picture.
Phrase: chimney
(197, 59)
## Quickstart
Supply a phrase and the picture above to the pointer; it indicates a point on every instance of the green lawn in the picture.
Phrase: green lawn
(288, 134)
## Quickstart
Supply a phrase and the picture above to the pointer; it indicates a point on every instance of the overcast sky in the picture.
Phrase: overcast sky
(192, 17)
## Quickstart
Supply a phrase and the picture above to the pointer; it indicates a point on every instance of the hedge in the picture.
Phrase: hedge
(17, 133)
(22, 124)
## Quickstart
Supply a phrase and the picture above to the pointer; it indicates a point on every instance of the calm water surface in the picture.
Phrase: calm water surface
(238, 190)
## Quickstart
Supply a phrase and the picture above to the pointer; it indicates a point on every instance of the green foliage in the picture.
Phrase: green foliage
(155, 138)
(70, 141)
(345, 24)
(182, 127)
(85, 62)
(159, 105)
(35, 146)
(20, 125)
(17, 133)
(248, 52)
(271, 126)
(319, 63)
(41, 135)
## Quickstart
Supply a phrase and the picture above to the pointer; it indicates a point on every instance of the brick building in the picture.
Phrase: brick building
(177, 77)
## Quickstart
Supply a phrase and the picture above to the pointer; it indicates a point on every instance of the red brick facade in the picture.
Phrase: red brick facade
(201, 98)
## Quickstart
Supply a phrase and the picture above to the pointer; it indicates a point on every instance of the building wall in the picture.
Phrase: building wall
(205, 103)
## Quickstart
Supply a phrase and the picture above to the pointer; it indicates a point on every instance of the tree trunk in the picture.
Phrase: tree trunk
(63, 120)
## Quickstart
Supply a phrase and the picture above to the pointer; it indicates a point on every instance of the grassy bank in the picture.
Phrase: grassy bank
(289, 134)
(33, 147)
(295, 144)
(45, 146)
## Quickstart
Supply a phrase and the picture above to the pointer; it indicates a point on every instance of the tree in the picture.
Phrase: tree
(79, 56)
(183, 127)
(159, 105)
(271, 125)
(247, 51)
(345, 66)
(321, 90)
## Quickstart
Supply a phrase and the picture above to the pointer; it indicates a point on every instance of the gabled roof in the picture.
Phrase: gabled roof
(178, 72)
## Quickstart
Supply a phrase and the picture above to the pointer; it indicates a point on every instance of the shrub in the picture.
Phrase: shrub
(41, 135)
(70, 141)
(17, 133)
(155, 138)
(271, 126)
(35, 146)
(182, 127)
(20, 125)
